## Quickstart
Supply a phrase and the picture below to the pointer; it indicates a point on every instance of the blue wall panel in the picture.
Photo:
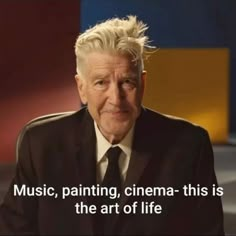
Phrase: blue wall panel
(177, 23)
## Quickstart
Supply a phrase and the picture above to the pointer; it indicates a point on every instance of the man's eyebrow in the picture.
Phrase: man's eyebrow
(130, 76)
(106, 76)
(99, 76)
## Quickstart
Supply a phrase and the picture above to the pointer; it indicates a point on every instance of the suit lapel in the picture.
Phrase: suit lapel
(86, 163)
(138, 163)
(86, 155)
(145, 147)
(139, 160)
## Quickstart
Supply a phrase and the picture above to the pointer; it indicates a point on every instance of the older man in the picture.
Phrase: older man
(113, 143)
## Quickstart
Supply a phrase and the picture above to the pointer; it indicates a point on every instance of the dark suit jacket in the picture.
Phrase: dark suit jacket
(166, 152)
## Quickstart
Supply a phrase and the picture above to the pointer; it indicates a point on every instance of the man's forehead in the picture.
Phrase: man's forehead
(100, 58)
(102, 64)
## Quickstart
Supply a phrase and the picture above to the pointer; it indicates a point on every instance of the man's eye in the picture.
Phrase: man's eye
(128, 83)
(100, 84)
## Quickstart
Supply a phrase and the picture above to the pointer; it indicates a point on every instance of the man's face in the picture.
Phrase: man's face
(112, 87)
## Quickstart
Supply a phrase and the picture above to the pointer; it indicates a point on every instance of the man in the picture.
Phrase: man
(153, 150)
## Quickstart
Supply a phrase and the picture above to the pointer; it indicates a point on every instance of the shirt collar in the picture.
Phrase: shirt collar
(103, 145)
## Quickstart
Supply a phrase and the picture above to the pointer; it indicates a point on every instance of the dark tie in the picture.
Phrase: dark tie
(112, 178)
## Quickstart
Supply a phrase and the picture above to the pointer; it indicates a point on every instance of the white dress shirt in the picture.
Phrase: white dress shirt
(103, 145)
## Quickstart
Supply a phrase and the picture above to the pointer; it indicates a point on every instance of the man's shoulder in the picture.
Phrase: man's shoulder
(54, 124)
(160, 122)
(56, 119)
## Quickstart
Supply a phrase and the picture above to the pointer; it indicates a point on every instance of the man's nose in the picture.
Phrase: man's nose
(116, 94)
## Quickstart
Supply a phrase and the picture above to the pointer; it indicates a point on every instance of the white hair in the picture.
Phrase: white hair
(124, 36)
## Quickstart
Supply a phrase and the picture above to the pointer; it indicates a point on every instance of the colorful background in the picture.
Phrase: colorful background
(192, 75)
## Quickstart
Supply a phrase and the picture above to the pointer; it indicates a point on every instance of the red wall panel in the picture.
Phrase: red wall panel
(37, 64)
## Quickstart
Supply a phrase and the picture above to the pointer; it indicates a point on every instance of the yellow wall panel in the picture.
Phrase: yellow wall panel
(192, 84)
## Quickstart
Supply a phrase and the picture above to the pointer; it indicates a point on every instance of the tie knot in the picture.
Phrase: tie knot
(113, 154)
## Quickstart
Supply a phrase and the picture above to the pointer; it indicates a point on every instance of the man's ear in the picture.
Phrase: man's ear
(81, 86)
(143, 82)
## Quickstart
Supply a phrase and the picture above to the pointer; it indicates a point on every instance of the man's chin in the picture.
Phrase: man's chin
(117, 131)
(122, 130)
